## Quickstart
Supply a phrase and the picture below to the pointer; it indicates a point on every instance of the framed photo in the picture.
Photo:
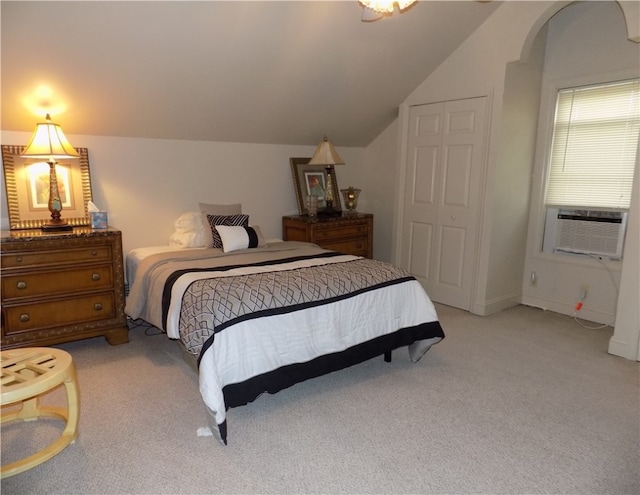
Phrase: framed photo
(26, 182)
(312, 180)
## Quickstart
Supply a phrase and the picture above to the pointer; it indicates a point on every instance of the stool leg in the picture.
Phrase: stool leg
(73, 403)
(30, 410)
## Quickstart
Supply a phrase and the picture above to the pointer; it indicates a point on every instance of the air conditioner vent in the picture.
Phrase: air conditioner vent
(590, 232)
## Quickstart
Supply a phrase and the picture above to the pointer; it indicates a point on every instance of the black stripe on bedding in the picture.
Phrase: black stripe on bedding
(239, 394)
(296, 307)
(171, 279)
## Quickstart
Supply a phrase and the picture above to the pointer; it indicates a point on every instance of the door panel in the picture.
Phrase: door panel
(442, 197)
(450, 265)
(421, 237)
(457, 176)
(424, 172)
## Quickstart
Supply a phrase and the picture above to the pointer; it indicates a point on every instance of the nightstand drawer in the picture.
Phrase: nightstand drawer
(52, 283)
(37, 316)
(348, 231)
(355, 247)
(44, 258)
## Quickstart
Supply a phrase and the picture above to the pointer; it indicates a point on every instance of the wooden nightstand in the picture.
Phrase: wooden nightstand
(62, 287)
(351, 234)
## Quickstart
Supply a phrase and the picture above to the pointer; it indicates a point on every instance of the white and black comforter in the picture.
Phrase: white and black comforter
(263, 319)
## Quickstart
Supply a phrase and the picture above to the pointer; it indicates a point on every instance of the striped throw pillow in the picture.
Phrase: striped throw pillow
(229, 220)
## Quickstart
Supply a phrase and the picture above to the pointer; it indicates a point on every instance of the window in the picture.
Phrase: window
(592, 162)
(595, 142)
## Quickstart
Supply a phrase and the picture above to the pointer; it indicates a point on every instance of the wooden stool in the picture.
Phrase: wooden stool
(28, 373)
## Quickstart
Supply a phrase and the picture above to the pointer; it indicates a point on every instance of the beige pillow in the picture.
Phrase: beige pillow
(213, 209)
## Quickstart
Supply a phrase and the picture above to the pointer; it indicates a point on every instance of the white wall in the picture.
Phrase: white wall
(509, 204)
(625, 341)
(145, 184)
(479, 68)
(378, 183)
(586, 44)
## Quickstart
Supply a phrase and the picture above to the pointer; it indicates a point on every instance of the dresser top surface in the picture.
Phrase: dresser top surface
(320, 219)
(27, 235)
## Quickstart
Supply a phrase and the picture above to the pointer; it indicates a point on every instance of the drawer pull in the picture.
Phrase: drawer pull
(97, 306)
(24, 317)
(18, 259)
(95, 277)
(94, 253)
(21, 285)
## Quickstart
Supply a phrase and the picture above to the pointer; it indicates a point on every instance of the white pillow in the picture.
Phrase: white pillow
(236, 238)
(189, 231)
(187, 239)
(189, 221)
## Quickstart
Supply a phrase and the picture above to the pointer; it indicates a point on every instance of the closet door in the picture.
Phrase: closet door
(444, 160)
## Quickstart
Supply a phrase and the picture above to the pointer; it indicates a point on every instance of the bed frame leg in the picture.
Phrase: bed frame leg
(222, 428)
(387, 357)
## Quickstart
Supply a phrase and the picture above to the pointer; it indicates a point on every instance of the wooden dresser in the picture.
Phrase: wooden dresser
(62, 287)
(350, 234)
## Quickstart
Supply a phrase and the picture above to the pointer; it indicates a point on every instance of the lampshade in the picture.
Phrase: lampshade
(387, 6)
(48, 141)
(326, 154)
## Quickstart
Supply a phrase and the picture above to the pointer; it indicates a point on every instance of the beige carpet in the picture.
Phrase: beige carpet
(524, 401)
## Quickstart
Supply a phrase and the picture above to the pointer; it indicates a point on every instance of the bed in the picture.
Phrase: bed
(261, 319)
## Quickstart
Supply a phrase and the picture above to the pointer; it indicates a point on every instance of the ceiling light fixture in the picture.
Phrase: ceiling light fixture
(387, 6)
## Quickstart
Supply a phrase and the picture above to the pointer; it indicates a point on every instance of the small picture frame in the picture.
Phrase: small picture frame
(26, 183)
(312, 180)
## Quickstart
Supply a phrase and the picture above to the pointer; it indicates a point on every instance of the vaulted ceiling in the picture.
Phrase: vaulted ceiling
(283, 72)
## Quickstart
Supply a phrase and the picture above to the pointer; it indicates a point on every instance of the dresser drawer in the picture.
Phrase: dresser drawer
(342, 232)
(62, 286)
(52, 283)
(56, 313)
(52, 257)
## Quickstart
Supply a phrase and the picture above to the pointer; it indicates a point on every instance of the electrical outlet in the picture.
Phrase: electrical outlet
(533, 280)
(584, 291)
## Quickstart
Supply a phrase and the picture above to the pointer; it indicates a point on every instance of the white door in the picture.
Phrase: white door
(442, 193)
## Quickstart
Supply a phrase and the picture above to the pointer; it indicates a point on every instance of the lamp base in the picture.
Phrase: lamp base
(329, 212)
(56, 227)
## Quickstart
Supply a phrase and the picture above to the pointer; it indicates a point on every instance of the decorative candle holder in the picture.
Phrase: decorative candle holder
(312, 206)
(351, 199)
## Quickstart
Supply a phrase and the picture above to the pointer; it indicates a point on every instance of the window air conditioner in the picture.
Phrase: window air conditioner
(590, 232)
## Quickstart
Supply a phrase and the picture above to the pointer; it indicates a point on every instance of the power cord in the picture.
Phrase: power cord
(149, 329)
(588, 327)
(583, 296)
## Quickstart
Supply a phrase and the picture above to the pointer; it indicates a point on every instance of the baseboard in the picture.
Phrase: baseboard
(622, 349)
(585, 313)
(496, 305)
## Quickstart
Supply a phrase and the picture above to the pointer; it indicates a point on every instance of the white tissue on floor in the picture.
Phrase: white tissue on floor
(204, 431)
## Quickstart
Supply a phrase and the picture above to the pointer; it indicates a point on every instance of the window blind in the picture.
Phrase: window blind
(594, 147)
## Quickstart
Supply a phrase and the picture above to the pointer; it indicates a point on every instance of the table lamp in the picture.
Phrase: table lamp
(49, 142)
(327, 155)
